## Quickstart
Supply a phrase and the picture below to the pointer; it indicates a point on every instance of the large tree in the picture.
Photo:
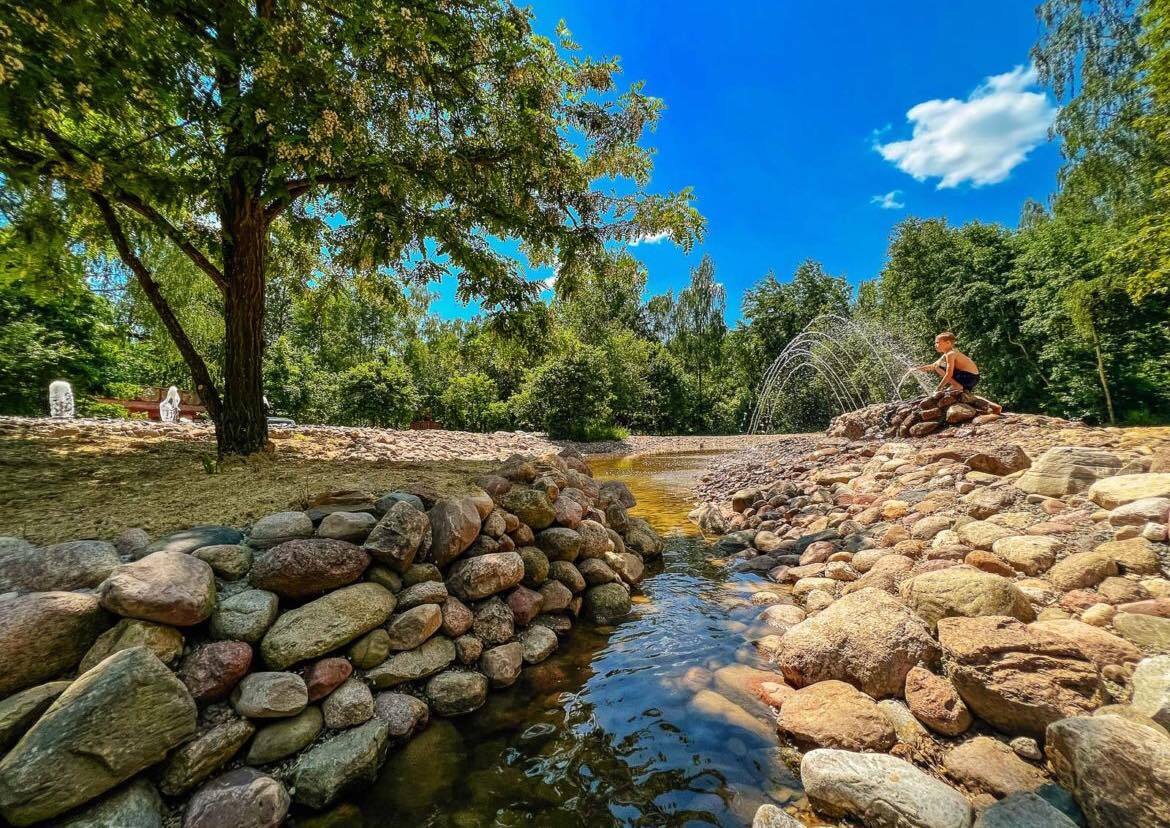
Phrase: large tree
(405, 138)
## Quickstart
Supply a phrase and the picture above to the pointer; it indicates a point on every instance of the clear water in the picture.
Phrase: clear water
(605, 731)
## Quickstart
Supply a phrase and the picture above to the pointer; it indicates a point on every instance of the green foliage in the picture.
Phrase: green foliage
(568, 396)
(468, 403)
(377, 393)
(89, 407)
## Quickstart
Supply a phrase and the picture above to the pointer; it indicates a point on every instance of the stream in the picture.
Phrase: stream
(610, 730)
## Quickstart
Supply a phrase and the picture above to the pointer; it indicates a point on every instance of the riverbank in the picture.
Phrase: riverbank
(94, 478)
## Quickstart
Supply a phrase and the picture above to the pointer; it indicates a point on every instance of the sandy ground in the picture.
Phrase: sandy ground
(93, 479)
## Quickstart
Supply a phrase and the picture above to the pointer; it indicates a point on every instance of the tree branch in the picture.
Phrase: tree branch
(298, 187)
(203, 382)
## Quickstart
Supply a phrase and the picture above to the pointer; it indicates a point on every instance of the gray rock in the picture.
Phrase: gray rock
(397, 538)
(454, 527)
(494, 623)
(538, 643)
(42, 634)
(64, 566)
(769, 816)
(188, 540)
(402, 714)
(1023, 810)
(330, 622)
(132, 543)
(164, 587)
(285, 737)
(428, 592)
(349, 705)
(18, 712)
(384, 503)
(245, 616)
(412, 665)
(456, 692)
(880, 790)
(607, 603)
(280, 527)
(370, 650)
(595, 572)
(135, 805)
(410, 629)
(229, 561)
(270, 695)
(354, 527)
(484, 575)
(349, 759)
(308, 567)
(241, 798)
(1151, 689)
(114, 721)
(502, 664)
(196, 760)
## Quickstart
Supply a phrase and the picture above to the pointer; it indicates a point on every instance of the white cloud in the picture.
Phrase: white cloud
(981, 139)
(652, 238)
(889, 201)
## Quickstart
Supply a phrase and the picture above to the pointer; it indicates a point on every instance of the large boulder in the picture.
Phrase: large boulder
(1017, 678)
(837, 715)
(532, 506)
(45, 633)
(454, 527)
(308, 567)
(1113, 492)
(964, 591)
(485, 575)
(399, 535)
(1101, 647)
(165, 587)
(340, 763)
(607, 603)
(19, 711)
(1066, 470)
(1118, 770)
(332, 621)
(71, 565)
(135, 805)
(1151, 689)
(434, 655)
(880, 790)
(242, 798)
(867, 638)
(114, 721)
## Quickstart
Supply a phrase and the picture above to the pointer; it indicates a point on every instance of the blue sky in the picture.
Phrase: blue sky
(775, 113)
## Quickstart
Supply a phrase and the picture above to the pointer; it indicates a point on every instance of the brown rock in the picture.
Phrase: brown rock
(165, 587)
(454, 527)
(984, 764)
(212, 671)
(934, 701)
(834, 714)
(308, 567)
(324, 676)
(43, 634)
(1101, 647)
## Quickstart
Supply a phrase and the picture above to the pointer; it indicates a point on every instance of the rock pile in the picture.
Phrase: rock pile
(224, 675)
(965, 631)
(914, 418)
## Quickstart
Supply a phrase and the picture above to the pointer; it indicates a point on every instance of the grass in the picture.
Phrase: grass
(73, 488)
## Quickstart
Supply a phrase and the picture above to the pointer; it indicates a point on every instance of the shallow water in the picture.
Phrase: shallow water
(608, 731)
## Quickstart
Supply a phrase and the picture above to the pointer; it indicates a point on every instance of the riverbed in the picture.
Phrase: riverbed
(624, 725)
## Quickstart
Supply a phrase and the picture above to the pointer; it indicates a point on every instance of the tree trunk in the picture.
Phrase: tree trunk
(1101, 376)
(243, 425)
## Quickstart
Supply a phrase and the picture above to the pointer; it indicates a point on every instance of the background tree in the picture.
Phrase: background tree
(698, 324)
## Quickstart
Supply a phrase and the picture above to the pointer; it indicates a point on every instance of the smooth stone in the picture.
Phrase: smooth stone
(197, 537)
(229, 561)
(308, 567)
(324, 625)
(245, 616)
(19, 711)
(353, 527)
(64, 566)
(43, 634)
(402, 713)
(397, 538)
(410, 629)
(135, 805)
(349, 705)
(1023, 810)
(164, 587)
(434, 655)
(341, 763)
(165, 642)
(275, 529)
(196, 760)
(270, 695)
(241, 798)
(1151, 689)
(285, 737)
(456, 692)
(838, 715)
(990, 765)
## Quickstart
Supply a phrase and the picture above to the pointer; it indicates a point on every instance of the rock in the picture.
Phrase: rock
(1150, 632)
(349, 705)
(560, 543)
(412, 665)
(1151, 689)
(1080, 570)
(960, 413)
(136, 805)
(554, 597)
(502, 664)
(887, 574)
(711, 705)
(567, 574)
(280, 527)
(409, 629)
(331, 621)
(324, 676)
(353, 527)
(43, 634)
(525, 605)
(982, 534)
(165, 642)
(454, 527)
(402, 714)
(196, 760)
(197, 537)
(1102, 648)
(538, 643)
(468, 648)
(270, 695)
(19, 711)
(242, 798)
(285, 737)
(64, 566)
(607, 603)
(387, 501)
(456, 692)
(769, 816)
(866, 638)
(428, 592)
(1112, 492)
(457, 618)
(641, 538)
(595, 540)
(935, 702)
(753, 689)
(397, 538)
(165, 587)
(494, 623)
(1023, 810)
(1136, 555)
(340, 763)
(531, 506)
(1141, 512)
(229, 561)
(964, 591)
(211, 672)
(880, 790)
(628, 566)
(1030, 554)
(132, 543)
(535, 566)
(245, 616)
(112, 722)
(835, 714)
(306, 568)
(1066, 470)
(989, 765)
(1118, 770)
(1000, 459)
(1017, 678)
(370, 650)
(485, 575)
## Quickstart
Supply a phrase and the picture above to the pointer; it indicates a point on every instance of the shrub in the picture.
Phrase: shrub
(466, 403)
(89, 407)
(567, 395)
(377, 393)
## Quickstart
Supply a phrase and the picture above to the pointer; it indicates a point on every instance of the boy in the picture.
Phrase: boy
(958, 371)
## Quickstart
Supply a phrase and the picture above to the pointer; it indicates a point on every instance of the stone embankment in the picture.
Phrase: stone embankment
(217, 676)
(972, 628)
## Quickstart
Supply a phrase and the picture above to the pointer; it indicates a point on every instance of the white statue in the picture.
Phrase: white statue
(61, 400)
(168, 409)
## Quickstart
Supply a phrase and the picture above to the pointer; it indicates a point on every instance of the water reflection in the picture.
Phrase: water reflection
(623, 726)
